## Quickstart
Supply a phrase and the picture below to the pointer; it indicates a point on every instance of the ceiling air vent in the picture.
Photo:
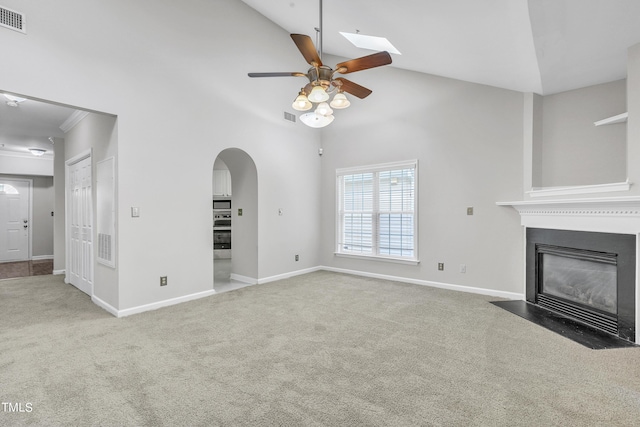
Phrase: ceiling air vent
(13, 20)
(290, 117)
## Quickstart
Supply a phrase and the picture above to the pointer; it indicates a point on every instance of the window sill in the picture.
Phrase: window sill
(379, 258)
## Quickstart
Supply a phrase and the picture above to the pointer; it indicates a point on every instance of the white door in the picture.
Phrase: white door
(14, 220)
(80, 226)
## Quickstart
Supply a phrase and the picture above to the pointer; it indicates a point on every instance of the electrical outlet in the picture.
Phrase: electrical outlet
(463, 268)
(163, 280)
(297, 257)
(441, 266)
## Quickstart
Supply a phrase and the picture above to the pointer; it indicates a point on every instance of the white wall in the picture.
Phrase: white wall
(25, 164)
(468, 142)
(98, 133)
(178, 84)
(42, 221)
(59, 244)
(633, 124)
(574, 151)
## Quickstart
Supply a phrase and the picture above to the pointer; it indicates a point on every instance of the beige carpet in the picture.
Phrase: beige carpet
(322, 349)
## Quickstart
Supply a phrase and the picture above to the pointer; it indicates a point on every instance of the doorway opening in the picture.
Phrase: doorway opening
(16, 232)
(235, 220)
(62, 135)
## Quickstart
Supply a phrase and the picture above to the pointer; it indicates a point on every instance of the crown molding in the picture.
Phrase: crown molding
(73, 120)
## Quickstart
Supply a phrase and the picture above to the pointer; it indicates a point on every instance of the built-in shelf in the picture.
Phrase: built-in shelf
(579, 189)
(620, 118)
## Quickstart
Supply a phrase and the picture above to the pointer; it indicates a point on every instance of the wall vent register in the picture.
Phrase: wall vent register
(13, 20)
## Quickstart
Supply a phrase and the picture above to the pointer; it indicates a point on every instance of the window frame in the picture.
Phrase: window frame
(376, 212)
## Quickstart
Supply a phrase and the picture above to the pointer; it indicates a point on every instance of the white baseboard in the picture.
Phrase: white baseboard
(157, 305)
(59, 272)
(100, 303)
(41, 257)
(244, 279)
(460, 288)
(288, 275)
(249, 280)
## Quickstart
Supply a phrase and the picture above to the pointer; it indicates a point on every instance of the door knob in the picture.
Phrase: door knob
(25, 226)
(25, 220)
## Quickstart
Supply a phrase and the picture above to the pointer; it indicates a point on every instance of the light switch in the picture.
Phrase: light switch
(135, 212)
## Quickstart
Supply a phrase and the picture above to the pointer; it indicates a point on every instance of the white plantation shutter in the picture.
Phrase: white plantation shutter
(377, 211)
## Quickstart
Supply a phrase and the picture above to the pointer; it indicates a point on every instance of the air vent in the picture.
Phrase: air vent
(13, 20)
(104, 247)
(290, 117)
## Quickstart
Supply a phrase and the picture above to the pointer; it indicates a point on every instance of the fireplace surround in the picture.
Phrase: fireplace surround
(599, 216)
(588, 276)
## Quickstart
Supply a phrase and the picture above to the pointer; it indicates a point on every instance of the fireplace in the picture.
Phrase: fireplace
(587, 276)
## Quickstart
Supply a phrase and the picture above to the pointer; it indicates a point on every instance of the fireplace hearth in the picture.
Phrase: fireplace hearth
(588, 277)
(602, 225)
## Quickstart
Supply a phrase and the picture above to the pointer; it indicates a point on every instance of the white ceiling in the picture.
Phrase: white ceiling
(541, 46)
(30, 124)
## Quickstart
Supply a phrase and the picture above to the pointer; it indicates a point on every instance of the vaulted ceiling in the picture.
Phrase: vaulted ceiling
(541, 46)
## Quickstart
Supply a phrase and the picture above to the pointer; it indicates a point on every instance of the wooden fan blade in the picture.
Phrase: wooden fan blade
(364, 63)
(352, 88)
(295, 74)
(307, 49)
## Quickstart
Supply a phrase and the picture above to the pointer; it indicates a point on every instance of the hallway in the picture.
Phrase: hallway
(11, 270)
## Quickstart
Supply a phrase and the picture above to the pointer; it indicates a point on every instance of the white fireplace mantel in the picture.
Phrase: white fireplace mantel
(607, 215)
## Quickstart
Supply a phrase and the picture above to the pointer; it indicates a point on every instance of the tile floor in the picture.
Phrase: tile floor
(11, 270)
(222, 277)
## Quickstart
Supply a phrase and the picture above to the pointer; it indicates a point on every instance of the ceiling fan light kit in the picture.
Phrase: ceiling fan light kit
(318, 94)
(323, 109)
(315, 120)
(323, 81)
(302, 103)
(340, 101)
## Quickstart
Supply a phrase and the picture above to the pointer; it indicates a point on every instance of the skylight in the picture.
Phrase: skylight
(371, 42)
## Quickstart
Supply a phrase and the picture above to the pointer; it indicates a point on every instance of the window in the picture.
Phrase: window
(377, 211)
(8, 189)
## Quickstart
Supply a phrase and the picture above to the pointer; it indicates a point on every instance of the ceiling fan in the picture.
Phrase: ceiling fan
(323, 80)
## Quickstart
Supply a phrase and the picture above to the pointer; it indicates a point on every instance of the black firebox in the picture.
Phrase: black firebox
(586, 276)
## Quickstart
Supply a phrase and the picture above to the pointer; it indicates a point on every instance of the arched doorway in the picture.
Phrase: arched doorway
(235, 220)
